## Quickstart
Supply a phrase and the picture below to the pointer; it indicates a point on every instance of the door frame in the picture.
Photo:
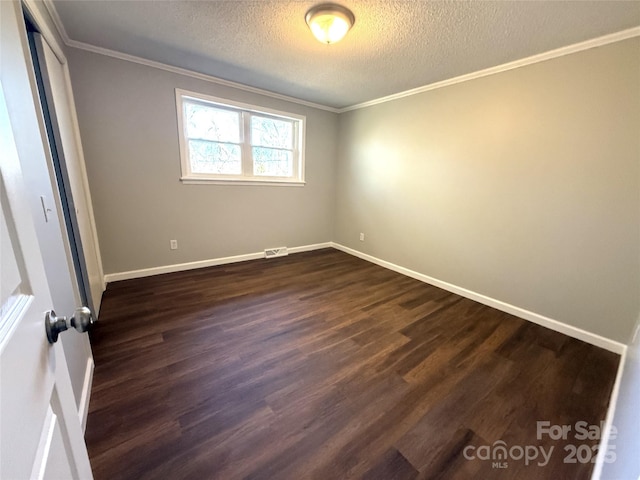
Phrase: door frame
(33, 9)
(73, 241)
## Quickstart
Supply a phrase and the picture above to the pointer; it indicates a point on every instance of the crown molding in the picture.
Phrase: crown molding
(57, 21)
(559, 52)
(53, 13)
(190, 73)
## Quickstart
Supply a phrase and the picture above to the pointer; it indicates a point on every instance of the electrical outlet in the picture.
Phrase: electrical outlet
(173, 244)
(361, 237)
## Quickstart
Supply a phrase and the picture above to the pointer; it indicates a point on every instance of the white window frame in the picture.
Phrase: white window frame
(246, 110)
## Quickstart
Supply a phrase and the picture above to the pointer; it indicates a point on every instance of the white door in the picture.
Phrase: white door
(40, 433)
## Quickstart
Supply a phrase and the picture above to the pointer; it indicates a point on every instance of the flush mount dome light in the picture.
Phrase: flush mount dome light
(329, 22)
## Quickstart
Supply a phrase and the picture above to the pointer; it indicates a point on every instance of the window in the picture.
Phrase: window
(228, 142)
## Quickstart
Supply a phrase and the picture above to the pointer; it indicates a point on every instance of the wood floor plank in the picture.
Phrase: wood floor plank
(391, 465)
(320, 365)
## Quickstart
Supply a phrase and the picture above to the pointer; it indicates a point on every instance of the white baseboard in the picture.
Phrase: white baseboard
(309, 248)
(547, 322)
(608, 421)
(555, 325)
(179, 267)
(83, 408)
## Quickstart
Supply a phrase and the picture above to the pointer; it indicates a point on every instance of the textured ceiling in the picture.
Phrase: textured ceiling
(393, 46)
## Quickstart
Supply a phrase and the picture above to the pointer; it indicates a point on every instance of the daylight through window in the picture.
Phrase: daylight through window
(224, 141)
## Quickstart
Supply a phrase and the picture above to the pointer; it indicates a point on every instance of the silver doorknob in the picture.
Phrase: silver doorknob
(81, 320)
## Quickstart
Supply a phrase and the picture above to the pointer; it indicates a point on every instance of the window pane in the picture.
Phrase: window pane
(209, 123)
(213, 157)
(268, 132)
(272, 163)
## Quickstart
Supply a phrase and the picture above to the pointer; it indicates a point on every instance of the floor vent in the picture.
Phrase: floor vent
(276, 252)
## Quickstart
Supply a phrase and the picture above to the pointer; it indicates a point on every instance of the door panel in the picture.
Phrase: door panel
(37, 409)
(51, 459)
(12, 290)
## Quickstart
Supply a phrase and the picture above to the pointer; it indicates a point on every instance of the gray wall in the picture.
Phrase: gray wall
(128, 124)
(522, 186)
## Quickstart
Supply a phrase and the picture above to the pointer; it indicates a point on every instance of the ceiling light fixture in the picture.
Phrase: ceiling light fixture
(329, 22)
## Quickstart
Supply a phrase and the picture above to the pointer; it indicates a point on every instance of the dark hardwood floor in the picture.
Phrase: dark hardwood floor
(322, 366)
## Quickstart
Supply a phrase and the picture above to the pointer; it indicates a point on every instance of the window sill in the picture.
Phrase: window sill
(244, 181)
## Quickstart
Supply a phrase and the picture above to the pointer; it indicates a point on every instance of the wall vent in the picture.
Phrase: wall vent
(276, 252)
